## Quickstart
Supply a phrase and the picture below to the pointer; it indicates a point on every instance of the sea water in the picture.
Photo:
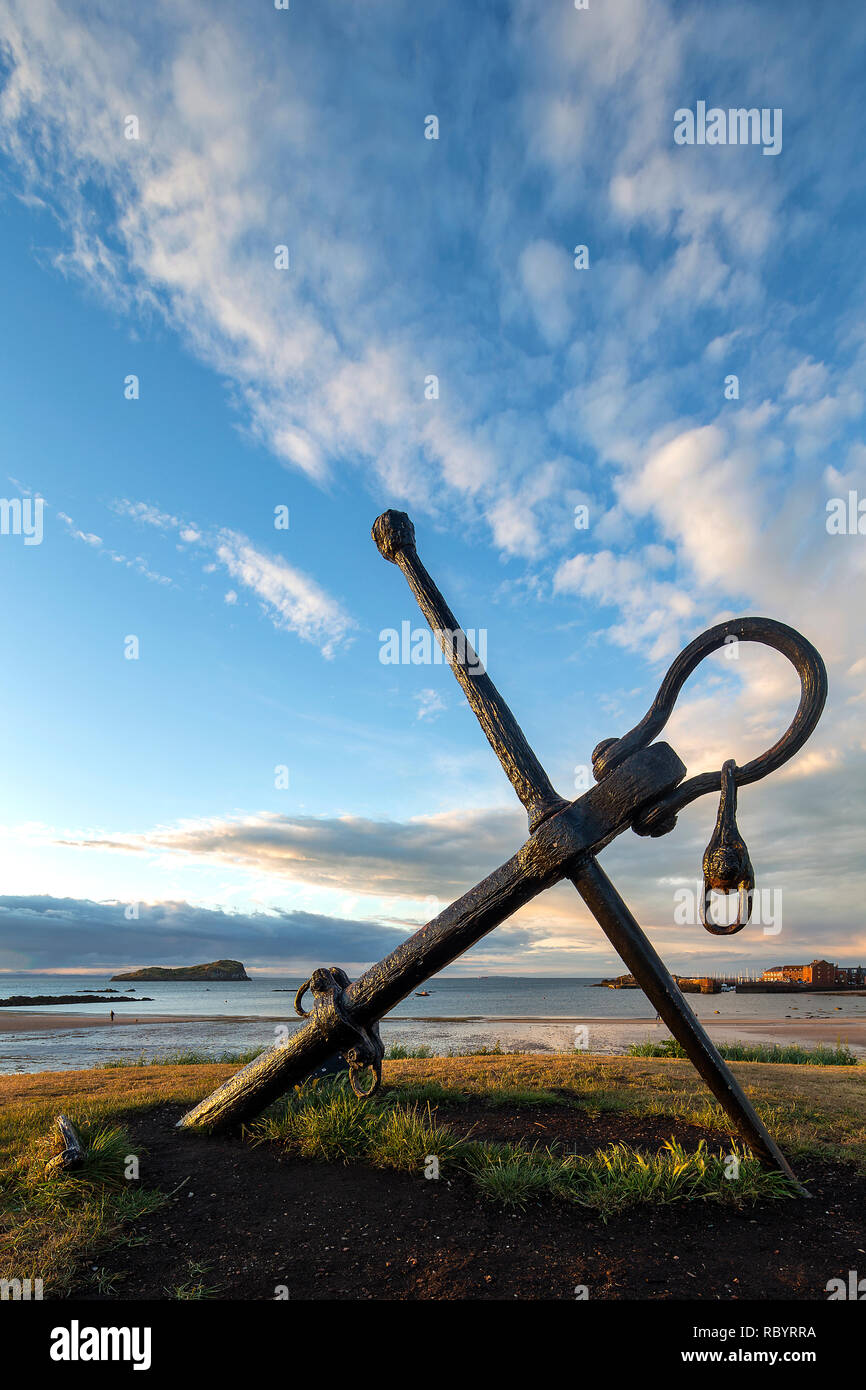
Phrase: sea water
(459, 1011)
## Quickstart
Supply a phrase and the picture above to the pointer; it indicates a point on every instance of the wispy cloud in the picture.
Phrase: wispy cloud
(430, 703)
(441, 854)
(136, 563)
(292, 600)
(329, 358)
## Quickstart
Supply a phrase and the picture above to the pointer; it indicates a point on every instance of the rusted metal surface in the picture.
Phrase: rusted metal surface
(639, 785)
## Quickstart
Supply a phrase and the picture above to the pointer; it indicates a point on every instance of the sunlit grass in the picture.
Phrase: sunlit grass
(325, 1121)
(521, 1097)
(818, 1111)
(186, 1057)
(620, 1176)
(792, 1053)
(399, 1052)
(48, 1222)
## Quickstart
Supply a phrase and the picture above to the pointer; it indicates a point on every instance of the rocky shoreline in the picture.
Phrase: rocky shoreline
(25, 1001)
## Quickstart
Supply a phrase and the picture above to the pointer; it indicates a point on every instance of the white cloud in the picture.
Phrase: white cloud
(546, 271)
(654, 612)
(146, 512)
(430, 703)
(291, 599)
(807, 380)
(318, 370)
(88, 537)
(137, 563)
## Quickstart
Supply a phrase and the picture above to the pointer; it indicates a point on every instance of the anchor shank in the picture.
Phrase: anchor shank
(650, 972)
(503, 732)
(395, 537)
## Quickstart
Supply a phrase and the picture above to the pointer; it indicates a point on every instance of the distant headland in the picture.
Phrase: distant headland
(222, 970)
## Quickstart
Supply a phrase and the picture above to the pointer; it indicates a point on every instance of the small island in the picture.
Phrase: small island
(224, 971)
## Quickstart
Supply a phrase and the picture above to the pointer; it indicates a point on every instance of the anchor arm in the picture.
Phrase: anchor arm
(344, 1014)
(650, 972)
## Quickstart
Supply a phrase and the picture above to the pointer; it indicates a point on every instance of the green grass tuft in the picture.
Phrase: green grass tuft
(620, 1176)
(324, 1120)
(819, 1056)
(401, 1052)
(185, 1057)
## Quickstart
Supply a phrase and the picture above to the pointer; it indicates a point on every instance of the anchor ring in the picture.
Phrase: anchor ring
(661, 817)
(744, 911)
(301, 1012)
(355, 1070)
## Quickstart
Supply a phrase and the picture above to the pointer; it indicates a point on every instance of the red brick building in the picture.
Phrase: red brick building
(817, 972)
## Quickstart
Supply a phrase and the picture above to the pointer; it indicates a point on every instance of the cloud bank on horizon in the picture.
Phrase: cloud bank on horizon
(562, 381)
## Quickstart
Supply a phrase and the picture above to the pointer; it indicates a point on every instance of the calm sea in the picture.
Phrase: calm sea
(457, 1008)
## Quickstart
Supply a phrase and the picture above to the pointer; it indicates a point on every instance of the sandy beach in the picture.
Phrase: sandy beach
(25, 1021)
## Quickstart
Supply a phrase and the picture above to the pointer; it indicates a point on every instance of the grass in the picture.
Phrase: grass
(819, 1112)
(48, 1227)
(190, 1057)
(792, 1053)
(48, 1223)
(194, 1286)
(325, 1121)
(434, 1093)
(401, 1052)
(620, 1176)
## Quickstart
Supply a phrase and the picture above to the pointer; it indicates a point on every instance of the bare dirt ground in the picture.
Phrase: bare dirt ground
(244, 1223)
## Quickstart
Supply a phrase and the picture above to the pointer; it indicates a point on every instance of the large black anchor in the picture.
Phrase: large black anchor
(639, 785)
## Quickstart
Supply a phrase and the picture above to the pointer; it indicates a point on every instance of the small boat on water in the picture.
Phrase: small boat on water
(421, 993)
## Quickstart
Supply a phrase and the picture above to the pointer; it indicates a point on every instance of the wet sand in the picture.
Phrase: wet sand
(23, 1021)
(604, 1035)
(608, 1036)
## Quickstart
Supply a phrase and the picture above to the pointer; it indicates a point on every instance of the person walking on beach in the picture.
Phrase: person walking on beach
(112, 1015)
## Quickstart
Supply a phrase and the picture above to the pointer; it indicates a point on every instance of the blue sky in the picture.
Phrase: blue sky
(152, 781)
